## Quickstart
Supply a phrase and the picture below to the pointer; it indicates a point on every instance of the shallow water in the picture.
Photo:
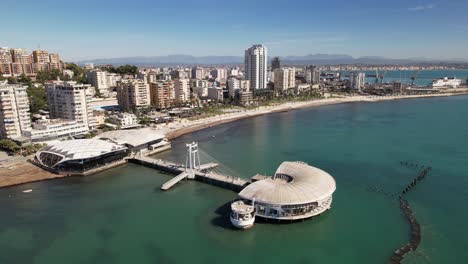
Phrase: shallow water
(121, 216)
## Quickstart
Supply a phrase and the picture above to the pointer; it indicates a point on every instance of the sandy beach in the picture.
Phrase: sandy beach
(17, 170)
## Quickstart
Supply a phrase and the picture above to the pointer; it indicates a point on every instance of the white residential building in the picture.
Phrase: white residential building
(51, 129)
(99, 79)
(200, 87)
(68, 73)
(152, 77)
(89, 66)
(234, 72)
(198, 73)
(126, 120)
(14, 111)
(113, 79)
(233, 85)
(312, 75)
(244, 85)
(182, 90)
(70, 101)
(285, 78)
(219, 74)
(256, 67)
(357, 80)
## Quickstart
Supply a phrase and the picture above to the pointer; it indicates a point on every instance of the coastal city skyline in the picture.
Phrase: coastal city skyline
(363, 28)
(329, 131)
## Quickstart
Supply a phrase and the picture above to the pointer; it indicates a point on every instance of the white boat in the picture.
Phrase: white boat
(27, 191)
(242, 215)
(446, 82)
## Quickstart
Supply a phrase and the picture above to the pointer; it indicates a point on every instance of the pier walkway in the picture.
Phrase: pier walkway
(200, 174)
(174, 180)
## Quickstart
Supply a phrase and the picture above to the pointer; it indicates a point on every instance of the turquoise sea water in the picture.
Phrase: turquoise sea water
(423, 78)
(121, 216)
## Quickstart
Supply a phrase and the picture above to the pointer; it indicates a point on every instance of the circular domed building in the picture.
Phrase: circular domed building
(296, 191)
(79, 156)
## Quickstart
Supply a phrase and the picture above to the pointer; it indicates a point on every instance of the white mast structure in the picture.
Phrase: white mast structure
(192, 161)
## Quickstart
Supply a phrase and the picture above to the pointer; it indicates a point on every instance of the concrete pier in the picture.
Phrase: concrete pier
(174, 180)
(216, 179)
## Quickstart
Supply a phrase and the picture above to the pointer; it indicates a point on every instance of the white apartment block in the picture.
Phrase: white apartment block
(112, 79)
(89, 66)
(133, 94)
(233, 72)
(51, 129)
(98, 79)
(357, 80)
(14, 111)
(285, 78)
(68, 73)
(200, 87)
(233, 86)
(312, 75)
(152, 77)
(126, 120)
(292, 77)
(70, 101)
(182, 74)
(256, 67)
(198, 73)
(182, 90)
(244, 85)
(219, 74)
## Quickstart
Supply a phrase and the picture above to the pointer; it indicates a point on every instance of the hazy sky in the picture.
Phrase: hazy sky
(88, 29)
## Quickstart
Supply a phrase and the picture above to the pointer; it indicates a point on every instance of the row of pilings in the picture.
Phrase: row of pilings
(415, 234)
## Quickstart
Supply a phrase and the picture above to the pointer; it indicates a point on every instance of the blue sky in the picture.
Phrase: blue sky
(85, 29)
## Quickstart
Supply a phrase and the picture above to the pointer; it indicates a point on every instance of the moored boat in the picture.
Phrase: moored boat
(242, 215)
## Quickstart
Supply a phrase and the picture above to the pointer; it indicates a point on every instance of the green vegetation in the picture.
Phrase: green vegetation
(91, 134)
(37, 99)
(12, 147)
(12, 80)
(145, 120)
(125, 69)
(104, 128)
(9, 146)
(79, 74)
(24, 79)
(44, 76)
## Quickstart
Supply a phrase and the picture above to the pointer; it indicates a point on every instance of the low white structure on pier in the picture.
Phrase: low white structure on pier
(296, 191)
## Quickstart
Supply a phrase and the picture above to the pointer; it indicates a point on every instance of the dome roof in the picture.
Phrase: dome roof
(293, 183)
(77, 149)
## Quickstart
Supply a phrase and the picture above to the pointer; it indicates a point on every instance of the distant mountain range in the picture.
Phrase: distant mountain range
(320, 59)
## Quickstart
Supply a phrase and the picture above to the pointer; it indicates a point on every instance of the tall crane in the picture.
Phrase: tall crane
(376, 75)
(414, 76)
(382, 77)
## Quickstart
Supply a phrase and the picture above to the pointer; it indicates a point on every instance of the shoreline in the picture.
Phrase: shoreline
(21, 171)
(209, 122)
